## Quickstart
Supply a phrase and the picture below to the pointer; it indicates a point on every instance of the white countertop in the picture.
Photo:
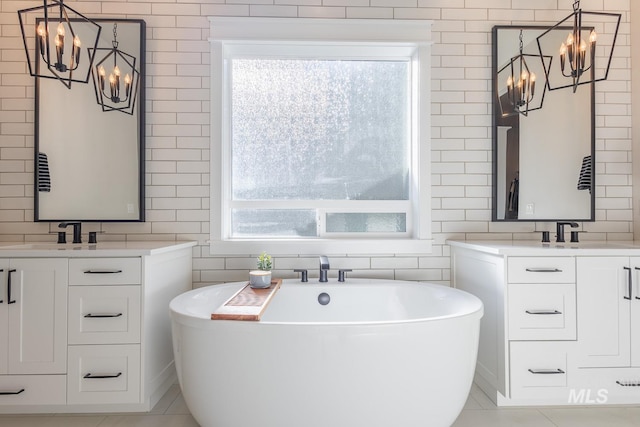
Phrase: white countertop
(533, 248)
(102, 249)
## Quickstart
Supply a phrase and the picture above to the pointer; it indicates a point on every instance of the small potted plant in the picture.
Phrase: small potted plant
(261, 278)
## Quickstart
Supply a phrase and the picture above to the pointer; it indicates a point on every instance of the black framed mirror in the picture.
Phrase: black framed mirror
(89, 160)
(543, 162)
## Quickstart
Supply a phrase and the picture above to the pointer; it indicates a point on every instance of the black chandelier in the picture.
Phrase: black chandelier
(117, 92)
(578, 52)
(55, 41)
(521, 96)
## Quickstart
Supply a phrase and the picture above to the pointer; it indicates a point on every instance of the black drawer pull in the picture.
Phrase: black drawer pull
(1, 271)
(543, 270)
(102, 271)
(543, 312)
(102, 376)
(101, 316)
(628, 383)
(11, 393)
(629, 282)
(546, 371)
(9, 301)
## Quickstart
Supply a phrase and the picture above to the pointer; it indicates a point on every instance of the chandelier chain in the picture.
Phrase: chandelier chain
(115, 35)
(521, 43)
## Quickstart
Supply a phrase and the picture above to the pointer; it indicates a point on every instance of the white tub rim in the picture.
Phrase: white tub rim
(473, 306)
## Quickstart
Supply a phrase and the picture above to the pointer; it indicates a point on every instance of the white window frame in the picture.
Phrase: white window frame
(238, 35)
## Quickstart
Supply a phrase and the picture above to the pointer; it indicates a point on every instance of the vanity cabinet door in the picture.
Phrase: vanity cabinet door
(37, 316)
(604, 315)
(4, 316)
(635, 313)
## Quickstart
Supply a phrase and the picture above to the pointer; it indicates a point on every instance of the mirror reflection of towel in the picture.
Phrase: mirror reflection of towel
(512, 199)
(584, 180)
(44, 179)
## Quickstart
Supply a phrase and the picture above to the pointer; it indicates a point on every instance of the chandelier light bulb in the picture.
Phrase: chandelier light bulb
(75, 57)
(41, 30)
(102, 75)
(127, 85)
(563, 49)
(112, 85)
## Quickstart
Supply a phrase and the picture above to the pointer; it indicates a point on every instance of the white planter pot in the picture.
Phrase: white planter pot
(260, 279)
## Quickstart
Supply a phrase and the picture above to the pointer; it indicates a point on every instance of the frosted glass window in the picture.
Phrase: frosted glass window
(273, 223)
(320, 129)
(366, 222)
(320, 135)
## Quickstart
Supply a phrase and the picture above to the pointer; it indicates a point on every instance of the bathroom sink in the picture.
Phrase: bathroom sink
(76, 250)
(49, 246)
(589, 245)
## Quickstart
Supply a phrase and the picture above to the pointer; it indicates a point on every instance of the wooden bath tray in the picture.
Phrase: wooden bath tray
(247, 304)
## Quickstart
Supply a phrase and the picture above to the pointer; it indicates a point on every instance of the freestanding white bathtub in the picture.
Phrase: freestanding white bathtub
(379, 354)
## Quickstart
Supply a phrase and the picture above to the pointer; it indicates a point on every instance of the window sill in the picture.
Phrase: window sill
(322, 246)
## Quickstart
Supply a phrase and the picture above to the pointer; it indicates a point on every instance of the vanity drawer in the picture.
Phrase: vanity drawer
(538, 368)
(36, 389)
(541, 270)
(104, 314)
(105, 271)
(104, 374)
(542, 311)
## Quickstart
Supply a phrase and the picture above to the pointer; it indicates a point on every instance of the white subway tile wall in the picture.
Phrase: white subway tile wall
(177, 120)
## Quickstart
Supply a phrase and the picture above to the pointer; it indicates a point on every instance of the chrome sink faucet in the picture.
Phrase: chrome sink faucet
(324, 268)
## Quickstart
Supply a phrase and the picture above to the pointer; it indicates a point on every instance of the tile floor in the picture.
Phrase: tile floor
(479, 411)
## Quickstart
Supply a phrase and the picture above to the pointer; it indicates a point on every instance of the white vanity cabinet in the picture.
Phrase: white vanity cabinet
(33, 330)
(541, 318)
(561, 323)
(89, 330)
(104, 310)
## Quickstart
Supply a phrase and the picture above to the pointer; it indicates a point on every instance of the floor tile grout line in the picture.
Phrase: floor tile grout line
(172, 402)
(545, 415)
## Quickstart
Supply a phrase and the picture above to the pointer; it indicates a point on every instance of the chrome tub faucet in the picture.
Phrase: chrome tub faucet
(324, 268)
